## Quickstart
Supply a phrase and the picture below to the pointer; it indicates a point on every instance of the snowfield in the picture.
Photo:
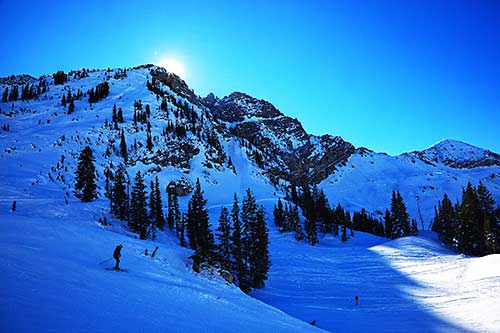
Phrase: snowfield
(53, 280)
(411, 284)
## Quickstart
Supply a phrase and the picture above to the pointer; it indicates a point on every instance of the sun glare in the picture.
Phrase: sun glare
(174, 66)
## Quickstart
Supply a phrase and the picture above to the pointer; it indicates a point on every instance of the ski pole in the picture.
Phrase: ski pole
(102, 262)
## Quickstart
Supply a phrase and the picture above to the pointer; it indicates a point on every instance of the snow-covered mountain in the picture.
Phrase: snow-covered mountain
(237, 139)
(50, 248)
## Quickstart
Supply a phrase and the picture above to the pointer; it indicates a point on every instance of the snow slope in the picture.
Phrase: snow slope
(368, 179)
(52, 280)
(407, 285)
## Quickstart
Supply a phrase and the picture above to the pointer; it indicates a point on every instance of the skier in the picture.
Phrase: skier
(117, 256)
(356, 299)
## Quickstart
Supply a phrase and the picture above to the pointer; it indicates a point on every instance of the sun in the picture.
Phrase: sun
(174, 66)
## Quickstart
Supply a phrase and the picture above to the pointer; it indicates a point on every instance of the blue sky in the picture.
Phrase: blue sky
(392, 76)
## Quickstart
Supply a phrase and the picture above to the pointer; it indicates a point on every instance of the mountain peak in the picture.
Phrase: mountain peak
(458, 154)
(239, 106)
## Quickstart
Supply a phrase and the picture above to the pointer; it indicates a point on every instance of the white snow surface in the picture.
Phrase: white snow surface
(50, 252)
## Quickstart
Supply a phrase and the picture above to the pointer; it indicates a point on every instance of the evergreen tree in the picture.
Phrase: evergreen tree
(295, 223)
(470, 230)
(294, 194)
(5, 95)
(344, 234)
(159, 216)
(259, 260)
(248, 223)
(71, 107)
(223, 235)
(119, 196)
(388, 224)
(239, 267)
(171, 208)
(199, 234)
(123, 148)
(114, 117)
(311, 230)
(181, 229)
(119, 115)
(85, 187)
(59, 78)
(138, 202)
(152, 202)
(399, 217)
(279, 215)
(447, 221)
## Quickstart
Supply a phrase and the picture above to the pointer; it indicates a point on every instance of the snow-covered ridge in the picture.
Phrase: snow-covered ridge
(457, 154)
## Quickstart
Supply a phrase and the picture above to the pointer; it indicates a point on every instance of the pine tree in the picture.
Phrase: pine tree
(170, 203)
(71, 107)
(388, 224)
(123, 148)
(399, 217)
(181, 229)
(295, 223)
(239, 267)
(294, 195)
(344, 234)
(259, 259)
(199, 234)
(159, 216)
(119, 116)
(279, 215)
(470, 236)
(138, 203)
(114, 117)
(248, 222)
(85, 187)
(311, 230)
(119, 196)
(223, 235)
(5, 95)
(176, 210)
(152, 202)
(446, 219)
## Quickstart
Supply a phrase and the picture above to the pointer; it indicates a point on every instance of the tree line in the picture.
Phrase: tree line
(319, 217)
(471, 225)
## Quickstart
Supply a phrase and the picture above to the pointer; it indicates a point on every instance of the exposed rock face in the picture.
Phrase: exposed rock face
(175, 83)
(182, 186)
(177, 154)
(289, 152)
(239, 106)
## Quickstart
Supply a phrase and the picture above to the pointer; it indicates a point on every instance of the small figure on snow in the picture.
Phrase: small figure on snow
(154, 252)
(117, 256)
(313, 323)
(146, 252)
(356, 299)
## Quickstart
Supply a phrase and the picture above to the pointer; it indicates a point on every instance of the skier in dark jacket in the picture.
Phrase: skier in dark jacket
(117, 256)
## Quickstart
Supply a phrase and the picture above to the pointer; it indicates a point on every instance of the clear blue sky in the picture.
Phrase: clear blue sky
(393, 76)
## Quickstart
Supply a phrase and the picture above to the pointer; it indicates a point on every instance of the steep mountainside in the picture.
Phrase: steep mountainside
(236, 140)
